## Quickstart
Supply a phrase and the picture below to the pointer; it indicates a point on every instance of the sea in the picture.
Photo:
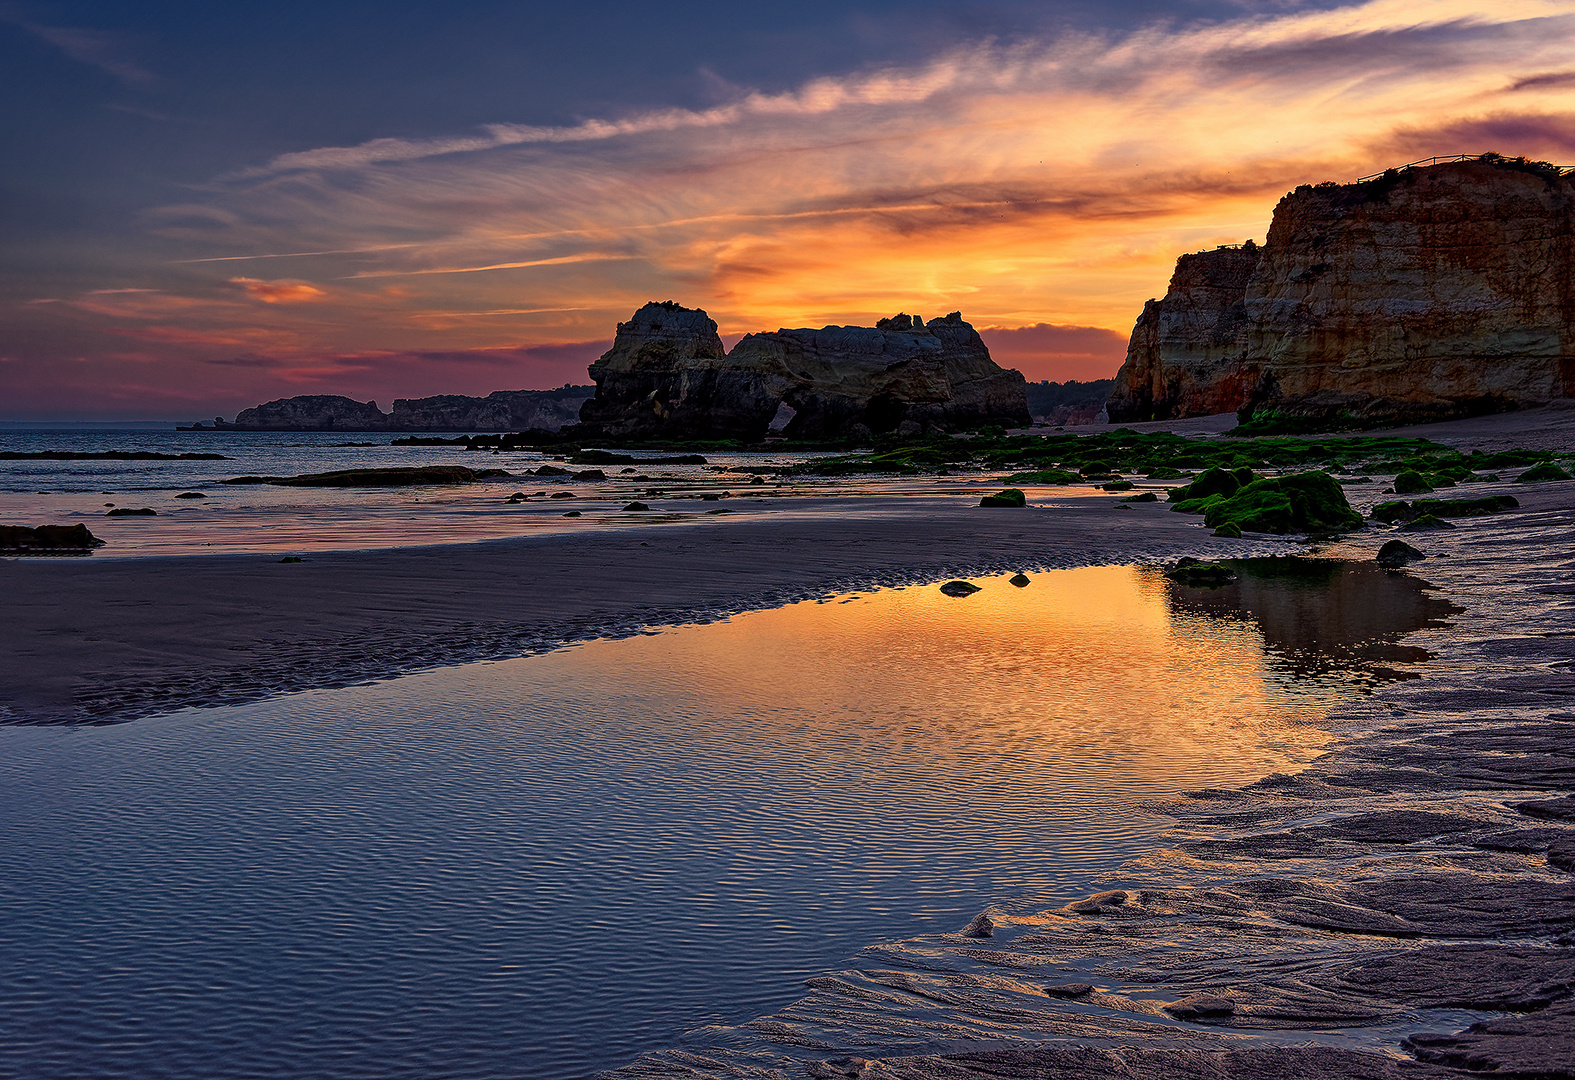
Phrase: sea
(543, 867)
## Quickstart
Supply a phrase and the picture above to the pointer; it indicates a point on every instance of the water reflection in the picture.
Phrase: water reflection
(544, 866)
(1322, 617)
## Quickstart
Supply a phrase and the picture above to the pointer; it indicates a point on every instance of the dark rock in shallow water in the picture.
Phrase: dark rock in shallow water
(1009, 497)
(982, 926)
(1411, 482)
(126, 511)
(1426, 523)
(1561, 854)
(590, 474)
(1397, 553)
(1070, 991)
(637, 506)
(191, 495)
(1142, 497)
(959, 588)
(550, 470)
(572, 513)
(1200, 575)
(19, 539)
(1020, 580)
(563, 495)
(402, 476)
(1201, 1007)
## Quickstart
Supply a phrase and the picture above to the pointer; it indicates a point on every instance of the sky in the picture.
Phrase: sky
(204, 206)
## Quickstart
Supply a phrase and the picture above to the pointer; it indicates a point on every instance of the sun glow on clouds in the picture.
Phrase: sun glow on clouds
(1039, 183)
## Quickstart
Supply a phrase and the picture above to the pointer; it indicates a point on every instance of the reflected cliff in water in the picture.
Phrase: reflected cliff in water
(1324, 617)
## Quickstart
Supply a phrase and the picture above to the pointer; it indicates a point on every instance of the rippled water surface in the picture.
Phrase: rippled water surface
(540, 867)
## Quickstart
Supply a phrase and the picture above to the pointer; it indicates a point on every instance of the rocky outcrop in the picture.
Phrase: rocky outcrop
(502, 410)
(667, 376)
(1424, 293)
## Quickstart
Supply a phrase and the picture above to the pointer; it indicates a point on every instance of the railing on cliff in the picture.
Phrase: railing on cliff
(1537, 166)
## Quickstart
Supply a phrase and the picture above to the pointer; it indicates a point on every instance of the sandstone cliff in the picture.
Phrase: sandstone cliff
(502, 410)
(667, 376)
(1428, 292)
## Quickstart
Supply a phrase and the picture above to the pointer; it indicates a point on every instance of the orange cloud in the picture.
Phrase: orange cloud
(278, 292)
(1038, 183)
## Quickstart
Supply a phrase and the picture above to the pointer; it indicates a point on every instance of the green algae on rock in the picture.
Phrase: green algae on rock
(1009, 497)
(1541, 473)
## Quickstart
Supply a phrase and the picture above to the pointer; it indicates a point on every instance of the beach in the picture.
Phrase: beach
(1305, 925)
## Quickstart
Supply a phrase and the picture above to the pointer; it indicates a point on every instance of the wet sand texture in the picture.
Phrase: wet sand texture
(102, 641)
(1354, 920)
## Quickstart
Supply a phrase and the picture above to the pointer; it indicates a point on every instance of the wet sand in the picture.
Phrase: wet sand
(109, 640)
(1404, 907)
(1418, 879)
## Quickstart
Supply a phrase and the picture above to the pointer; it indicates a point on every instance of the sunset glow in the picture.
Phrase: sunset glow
(1043, 185)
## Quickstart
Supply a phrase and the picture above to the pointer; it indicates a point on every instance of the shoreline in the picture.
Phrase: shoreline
(1404, 907)
(102, 641)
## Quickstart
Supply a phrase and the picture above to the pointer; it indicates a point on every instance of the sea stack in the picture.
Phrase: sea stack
(667, 376)
(1422, 294)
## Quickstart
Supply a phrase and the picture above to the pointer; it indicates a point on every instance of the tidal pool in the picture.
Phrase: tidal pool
(544, 866)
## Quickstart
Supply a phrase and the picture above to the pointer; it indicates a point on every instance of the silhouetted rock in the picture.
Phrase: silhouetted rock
(668, 376)
(1397, 553)
(1009, 497)
(501, 410)
(959, 588)
(20, 539)
(126, 511)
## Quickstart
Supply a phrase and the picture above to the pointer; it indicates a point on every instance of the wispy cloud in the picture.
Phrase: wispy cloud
(102, 49)
(1043, 184)
(278, 292)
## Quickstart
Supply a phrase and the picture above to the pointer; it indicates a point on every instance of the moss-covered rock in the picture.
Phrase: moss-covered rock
(1391, 512)
(1230, 531)
(1142, 496)
(1200, 575)
(1118, 485)
(1215, 481)
(1009, 497)
(1411, 482)
(1538, 474)
(1310, 502)
(1449, 508)
(1425, 523)
(1044, 476)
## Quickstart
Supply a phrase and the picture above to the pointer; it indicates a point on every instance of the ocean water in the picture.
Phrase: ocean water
(258, 517)
(542, 867)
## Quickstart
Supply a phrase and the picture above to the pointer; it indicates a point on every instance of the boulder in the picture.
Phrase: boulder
(1022, 581)
(47, 538)
(1411, 482)
(126, 511)
(1425, 523)
(668, 376)
(959, 588)
(1009, 497)
(1397, 553)
(1422, 294)
(1542, 473)
(1197, 574)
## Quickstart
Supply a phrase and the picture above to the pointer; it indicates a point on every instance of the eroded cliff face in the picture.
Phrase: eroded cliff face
(1426, 293)
(838, 381)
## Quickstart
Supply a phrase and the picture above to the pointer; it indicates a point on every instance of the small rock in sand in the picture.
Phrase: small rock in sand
(959, 588)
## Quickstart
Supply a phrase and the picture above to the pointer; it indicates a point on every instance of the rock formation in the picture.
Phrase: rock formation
(1424, 293)
(502, 410)
(668, 376)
